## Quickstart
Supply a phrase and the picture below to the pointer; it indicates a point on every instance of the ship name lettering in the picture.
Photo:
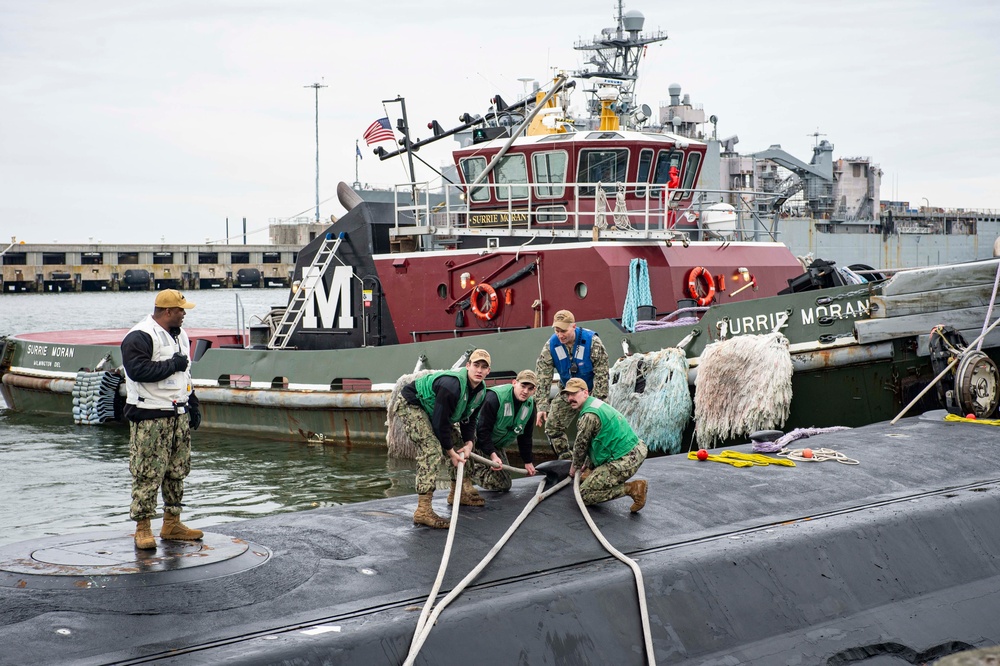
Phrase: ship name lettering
(37, 350)
(835, 310)
(760, 323)
(63, 352)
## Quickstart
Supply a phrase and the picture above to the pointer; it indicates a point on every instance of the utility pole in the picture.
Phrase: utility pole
(316, 87)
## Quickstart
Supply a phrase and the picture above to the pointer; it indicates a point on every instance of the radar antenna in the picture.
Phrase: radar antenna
(615, 56)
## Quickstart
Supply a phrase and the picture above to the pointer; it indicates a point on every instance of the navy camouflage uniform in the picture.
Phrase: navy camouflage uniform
(606, 481)
(434, 434)
(559, 414)
(159, 440)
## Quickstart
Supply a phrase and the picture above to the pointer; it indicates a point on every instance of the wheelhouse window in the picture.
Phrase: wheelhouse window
(691, 171)
(645, 164)
(512, 170)
(668, 168)
(549, 167)
(471, 168)
(607, 167)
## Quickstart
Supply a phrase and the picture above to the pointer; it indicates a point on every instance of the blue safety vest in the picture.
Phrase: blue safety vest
(580, 358)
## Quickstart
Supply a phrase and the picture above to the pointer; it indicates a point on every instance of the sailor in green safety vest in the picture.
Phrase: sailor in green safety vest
(508, 413)
(438, 412)
(605, 440)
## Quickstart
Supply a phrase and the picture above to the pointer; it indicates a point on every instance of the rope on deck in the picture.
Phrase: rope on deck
(640, 586)
(428, 617)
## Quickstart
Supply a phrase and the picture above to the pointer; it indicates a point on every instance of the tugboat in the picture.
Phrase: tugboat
(596, 215)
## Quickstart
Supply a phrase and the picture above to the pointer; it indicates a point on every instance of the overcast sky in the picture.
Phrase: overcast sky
(131, 121)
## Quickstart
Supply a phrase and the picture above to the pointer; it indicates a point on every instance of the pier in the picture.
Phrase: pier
(58, 267)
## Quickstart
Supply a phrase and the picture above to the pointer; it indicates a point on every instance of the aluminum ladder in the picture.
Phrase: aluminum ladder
(310, 278)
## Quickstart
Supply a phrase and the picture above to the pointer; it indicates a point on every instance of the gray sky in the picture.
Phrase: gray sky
(131, 121)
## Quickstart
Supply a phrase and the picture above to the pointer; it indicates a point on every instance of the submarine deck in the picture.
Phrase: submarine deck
(893, 559)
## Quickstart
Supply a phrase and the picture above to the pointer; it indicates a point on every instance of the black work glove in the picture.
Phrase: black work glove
(195, 417)
(180, 362)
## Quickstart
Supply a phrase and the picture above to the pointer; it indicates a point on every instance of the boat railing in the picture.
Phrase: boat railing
(242, 329)
(669, 214)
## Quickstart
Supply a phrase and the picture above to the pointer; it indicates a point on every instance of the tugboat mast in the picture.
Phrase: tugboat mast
(615, 54)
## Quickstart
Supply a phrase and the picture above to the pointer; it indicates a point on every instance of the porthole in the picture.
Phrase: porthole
(581, 290)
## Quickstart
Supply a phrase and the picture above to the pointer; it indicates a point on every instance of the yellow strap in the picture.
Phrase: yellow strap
(737, 459)
(955, 418)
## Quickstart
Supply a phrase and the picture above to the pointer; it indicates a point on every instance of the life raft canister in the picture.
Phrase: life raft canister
(492, 302)
(708, 285)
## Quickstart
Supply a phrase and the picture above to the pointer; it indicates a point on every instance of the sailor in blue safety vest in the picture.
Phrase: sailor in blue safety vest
(507, 414)
(573, 352)
(607, 441)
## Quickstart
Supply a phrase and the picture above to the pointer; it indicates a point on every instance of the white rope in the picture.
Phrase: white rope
(643, 611)
(600, 207)
(424, 625)
(444, 561)
(989, 311)
(489, 461)
(817, 455)
(620, 214)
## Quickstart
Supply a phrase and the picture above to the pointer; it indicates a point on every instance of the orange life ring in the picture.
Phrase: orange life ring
(492, 302)
(701, 273)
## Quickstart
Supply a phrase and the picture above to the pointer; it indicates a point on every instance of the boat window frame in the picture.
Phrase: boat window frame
(584, 173)
(515, 189)
(550, 189)
(687, 182)
(544, 215)
(640, 191)
(480, 194)
(657, 187)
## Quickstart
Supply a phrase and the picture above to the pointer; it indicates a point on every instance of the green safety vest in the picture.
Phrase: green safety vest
(508, 424)
(425, 391)
(616, 437)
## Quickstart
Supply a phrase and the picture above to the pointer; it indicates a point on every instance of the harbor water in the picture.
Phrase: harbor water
(58, 478)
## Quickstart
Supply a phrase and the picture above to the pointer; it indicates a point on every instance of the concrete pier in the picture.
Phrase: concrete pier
(56, 267)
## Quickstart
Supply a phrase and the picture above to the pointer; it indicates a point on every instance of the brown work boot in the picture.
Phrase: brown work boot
(174, 530)
(470, 496)
(424, 515)
(637, 491)
(144, 535)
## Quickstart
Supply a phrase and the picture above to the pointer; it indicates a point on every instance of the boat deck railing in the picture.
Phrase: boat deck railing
(668, 214)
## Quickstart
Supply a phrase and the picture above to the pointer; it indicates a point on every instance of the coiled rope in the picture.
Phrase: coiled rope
(817, 455)
(955, 418)
(640, 586)
(638, 293)
(738, 459)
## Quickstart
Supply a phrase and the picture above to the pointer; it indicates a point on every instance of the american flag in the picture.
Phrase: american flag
(380, 130)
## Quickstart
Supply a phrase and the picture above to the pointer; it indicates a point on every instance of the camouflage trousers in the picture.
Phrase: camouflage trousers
(490, 479)
(430, 455)
(607, 481)
(159, 459)
(559, 418)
